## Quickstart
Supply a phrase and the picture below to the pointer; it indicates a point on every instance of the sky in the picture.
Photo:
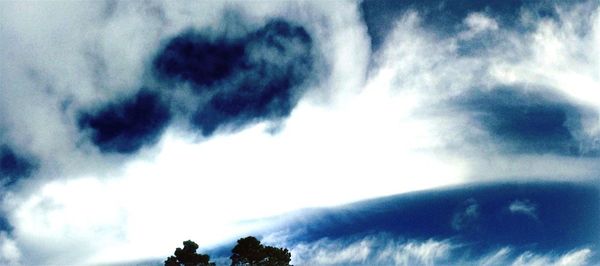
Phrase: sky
(352, 132)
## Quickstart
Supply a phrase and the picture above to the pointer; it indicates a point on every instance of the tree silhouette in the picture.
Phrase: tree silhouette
(188, 256)
(249, 251)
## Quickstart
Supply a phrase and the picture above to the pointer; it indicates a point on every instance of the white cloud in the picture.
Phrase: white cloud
(326, 252)
(9, 253)
(504, 256)
(429, 252)
(500, 257)
(561, 54)
(359, 137)
(555, 56)
(523, 207)
(477, 23)
(143, 207)
(573, 258)
(371, 250)
(387, 250)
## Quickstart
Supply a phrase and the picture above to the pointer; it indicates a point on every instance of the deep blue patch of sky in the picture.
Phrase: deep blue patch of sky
(258, 76)
(127, 125)
(540, 217)
(198, 58)
(446, 17)
(528, 121)
(563, 217)
(14, 166)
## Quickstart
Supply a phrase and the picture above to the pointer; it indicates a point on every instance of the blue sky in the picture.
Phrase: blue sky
(352, 132)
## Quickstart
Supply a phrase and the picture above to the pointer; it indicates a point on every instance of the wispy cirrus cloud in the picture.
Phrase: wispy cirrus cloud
(385, 250)
(523, 207)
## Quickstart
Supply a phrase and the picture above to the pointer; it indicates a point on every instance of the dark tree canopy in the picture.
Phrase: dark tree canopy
(249, 251)
(188, 256)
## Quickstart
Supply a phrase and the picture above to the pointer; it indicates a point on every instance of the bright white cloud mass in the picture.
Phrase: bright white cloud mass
(127, 127)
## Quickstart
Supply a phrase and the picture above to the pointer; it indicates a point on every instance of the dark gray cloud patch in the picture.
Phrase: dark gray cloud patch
(128, 125)
(14, 166)
(250, 78)
(527, 121)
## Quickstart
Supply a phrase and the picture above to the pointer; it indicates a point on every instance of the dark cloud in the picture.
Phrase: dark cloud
(445, 17)
(566, 217)
(14, 165)
(127, 125)
(254, 77)
(528, 121)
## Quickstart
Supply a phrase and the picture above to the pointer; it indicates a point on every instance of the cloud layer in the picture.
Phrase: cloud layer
(118, 116)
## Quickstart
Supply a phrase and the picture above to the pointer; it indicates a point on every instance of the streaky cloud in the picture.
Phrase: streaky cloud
(525, 207)
(381, 249)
